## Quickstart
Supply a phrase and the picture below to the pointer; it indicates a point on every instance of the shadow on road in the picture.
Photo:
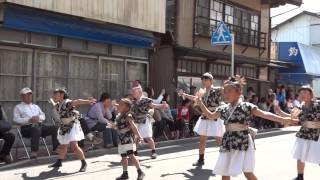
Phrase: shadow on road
(112, 164)
(194, 174)
(46, 175)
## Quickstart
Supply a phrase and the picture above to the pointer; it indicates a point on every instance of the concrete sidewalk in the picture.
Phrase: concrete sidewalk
(143, 149)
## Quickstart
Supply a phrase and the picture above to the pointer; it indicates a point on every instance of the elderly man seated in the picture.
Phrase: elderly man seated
(31, 118)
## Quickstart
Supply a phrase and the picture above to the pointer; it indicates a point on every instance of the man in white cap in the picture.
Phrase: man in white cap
(30, 117)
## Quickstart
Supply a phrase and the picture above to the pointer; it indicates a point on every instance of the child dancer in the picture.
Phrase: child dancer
(205, 128)
(307, 145)
(126, 130)
(140, 112)
(237, 151)
(70, 131)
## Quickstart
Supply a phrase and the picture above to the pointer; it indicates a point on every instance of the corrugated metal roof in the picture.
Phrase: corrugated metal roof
(296, 16)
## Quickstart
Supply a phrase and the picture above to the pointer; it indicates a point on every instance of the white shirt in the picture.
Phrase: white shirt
(23, 112)
(296, 103)
(158, 100)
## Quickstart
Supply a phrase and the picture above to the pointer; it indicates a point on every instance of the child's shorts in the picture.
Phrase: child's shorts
(126, 149)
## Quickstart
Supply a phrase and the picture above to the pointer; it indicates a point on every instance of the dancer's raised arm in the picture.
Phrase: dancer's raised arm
(211, 115)
(272, 117)
(188, 96)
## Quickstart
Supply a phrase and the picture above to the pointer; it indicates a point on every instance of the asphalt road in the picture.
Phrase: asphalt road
(273, 162)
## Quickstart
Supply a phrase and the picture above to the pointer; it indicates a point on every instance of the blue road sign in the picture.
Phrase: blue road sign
(221, 36)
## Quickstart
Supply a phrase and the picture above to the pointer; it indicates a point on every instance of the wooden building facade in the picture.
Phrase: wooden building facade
(49, 44)
(186, 51)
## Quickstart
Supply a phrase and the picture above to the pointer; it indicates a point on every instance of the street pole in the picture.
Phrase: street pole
(232, 55)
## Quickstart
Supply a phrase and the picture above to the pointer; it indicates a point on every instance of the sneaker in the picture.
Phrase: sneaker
(83, 168)
(95, 140)
(57, 164)
(298, 178)
(154, 156)
(141, 175)
(123, 176)
(198, 163)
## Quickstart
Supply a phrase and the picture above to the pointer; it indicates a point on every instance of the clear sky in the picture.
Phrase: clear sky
(308, 5)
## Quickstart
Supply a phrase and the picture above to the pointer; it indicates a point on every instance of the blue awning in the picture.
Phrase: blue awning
(295, 79)
(306, 60)
(28, 19)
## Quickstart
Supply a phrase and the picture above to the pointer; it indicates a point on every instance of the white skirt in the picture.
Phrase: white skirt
(145, 129)
(124, 148)
(235, 162)
(307, 150)
(209, 127)
(75, 134)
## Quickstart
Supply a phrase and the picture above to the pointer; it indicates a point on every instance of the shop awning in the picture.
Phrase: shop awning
(28, 19)
(239, 59)
(295, 79)
(306, 60)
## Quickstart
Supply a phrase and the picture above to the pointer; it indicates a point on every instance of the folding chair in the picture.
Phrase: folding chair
(2, 141)
(17, 127)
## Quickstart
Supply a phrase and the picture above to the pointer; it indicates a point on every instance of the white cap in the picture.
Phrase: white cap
(25, 91)
(207, 75)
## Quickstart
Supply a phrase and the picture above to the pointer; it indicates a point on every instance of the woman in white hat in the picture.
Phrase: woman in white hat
(212, 98)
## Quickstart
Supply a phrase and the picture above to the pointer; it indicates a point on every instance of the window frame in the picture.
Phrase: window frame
(112, 59)
(126, 70)
(244, 33)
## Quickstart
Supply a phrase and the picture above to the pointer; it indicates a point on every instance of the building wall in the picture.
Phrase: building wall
(185, 22)
(142, 14)
(185, 28)
(297, 30)
(304, 29)
(85, 68)
(186, 37)
(315, 31)
(162, 71)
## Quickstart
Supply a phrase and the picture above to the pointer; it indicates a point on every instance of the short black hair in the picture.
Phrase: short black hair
(165, 97)
(250, 89)
(185, 102)
(62, 91)
(149, 90)
(104, 96)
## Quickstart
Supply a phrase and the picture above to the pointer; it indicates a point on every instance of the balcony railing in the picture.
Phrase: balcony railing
(244, 36)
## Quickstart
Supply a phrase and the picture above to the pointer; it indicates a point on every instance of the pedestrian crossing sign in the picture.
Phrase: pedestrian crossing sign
(221, 35)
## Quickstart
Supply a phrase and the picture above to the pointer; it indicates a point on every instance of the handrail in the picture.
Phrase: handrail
(244, 36)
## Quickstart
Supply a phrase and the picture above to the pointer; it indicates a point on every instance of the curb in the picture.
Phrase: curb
(114, 150)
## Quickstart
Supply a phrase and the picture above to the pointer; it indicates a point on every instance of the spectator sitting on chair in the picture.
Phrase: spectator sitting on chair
(97, 120)
(166, 115)
(8, 140)
(31, 118)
